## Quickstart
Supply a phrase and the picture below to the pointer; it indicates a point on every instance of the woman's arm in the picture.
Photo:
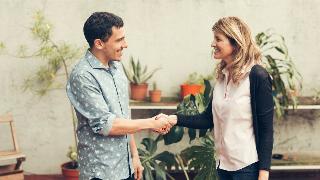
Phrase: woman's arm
(200, 121)
(265, 110)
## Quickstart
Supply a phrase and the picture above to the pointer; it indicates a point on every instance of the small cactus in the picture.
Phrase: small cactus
(154, 86)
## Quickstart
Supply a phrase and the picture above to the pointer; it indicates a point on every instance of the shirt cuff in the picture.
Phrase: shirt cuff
(108, 125)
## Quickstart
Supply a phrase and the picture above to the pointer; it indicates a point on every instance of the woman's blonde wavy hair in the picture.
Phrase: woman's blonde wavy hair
(246, 52)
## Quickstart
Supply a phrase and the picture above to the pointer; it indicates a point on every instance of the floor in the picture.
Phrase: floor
(274, 176)
(43, 177)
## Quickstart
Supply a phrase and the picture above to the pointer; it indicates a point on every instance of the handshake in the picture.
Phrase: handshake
(163, 123)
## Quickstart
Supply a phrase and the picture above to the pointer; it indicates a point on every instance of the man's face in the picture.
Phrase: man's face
(116, 43)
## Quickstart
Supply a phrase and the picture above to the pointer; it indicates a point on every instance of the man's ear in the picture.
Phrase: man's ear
(98, 43)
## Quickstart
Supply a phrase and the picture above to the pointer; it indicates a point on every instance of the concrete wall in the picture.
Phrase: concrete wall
(173, 34)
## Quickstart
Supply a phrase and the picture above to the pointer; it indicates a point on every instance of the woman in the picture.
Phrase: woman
(242, 106)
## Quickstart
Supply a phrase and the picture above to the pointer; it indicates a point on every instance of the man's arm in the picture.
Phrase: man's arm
(123, 126)
(138, 168)
(86, 97)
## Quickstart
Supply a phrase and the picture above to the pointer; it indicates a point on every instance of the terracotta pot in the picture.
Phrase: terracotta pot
(139, 91)
(68, 173)
(155, 96)
(187, 89)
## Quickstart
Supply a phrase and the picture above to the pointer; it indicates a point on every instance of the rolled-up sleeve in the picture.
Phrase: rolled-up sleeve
(86, 97)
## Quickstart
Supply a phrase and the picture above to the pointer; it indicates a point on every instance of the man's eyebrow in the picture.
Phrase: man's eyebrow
(120, 39)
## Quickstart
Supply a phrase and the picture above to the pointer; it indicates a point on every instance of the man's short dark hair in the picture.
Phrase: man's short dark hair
(99, 26)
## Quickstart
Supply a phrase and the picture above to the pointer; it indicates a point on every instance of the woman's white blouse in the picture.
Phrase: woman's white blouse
(233, 127)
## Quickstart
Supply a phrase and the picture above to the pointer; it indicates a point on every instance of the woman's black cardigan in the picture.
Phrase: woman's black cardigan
(262, 114)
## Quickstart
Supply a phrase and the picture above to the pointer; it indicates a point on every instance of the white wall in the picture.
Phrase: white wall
(173, 34)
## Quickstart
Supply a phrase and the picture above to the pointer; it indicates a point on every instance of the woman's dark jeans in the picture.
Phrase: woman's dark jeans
(250, 172)
(129, 178)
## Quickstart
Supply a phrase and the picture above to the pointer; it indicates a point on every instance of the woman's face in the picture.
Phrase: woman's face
(223, 48)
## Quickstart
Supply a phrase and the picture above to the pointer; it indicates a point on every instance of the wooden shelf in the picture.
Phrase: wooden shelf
(172, 103)
(166, 103)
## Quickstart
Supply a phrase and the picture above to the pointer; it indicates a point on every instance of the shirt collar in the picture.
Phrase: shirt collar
(244, 70)
(96, 64)
(225, 71)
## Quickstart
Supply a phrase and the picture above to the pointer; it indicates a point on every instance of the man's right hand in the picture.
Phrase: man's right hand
(161, 124)
(172, 119)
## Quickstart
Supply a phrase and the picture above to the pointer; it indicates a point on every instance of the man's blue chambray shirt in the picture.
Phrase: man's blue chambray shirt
(99, 94)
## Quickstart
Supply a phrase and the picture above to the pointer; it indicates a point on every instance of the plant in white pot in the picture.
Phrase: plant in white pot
(138, 76)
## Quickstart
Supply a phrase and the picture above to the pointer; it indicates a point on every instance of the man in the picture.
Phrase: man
(98, 90)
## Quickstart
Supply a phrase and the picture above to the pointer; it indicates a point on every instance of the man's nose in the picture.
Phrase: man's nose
(125, 44)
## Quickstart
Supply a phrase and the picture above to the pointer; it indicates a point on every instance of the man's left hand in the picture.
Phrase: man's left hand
(138, 168)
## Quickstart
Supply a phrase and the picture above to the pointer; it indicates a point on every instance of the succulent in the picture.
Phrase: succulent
(136, 73)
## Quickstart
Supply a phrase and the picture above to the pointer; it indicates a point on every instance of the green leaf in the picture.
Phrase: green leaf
(207, 92)
(160, 172)
(146, 77)
(2, 46)
(192, 134)
(150, 145)
(168, 158)
(133, 65)
(138, 70)
(175, 135)
(280, 50)
(140, 76)
(147, 173)
(128, 73)
(201, 158)
(202, 132)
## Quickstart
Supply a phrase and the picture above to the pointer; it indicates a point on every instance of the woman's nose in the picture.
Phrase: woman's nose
(213, 44)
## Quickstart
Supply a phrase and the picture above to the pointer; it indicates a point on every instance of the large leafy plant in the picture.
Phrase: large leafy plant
(201, 158)
(191, 105)
(55, 57)
(286, 78)
(136, 73)
(157, 163)
(160, 163)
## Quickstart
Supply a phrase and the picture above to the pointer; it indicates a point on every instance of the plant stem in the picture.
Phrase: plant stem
(179, 160)
(71, 109)
(67, 77)
(154, 163)
(147, 159)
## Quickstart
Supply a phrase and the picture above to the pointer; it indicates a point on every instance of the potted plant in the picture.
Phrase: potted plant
(194, 85)
(191, 86)
(70, 169)
(286, 79)
(57, 57)
(155, 94)
(138, 77)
